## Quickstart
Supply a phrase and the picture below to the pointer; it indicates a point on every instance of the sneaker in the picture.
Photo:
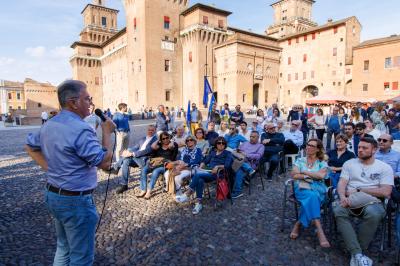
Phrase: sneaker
(252, 173)
(237, 195)
(362, 260)
(121, 189)
(197, 208)
(182, 198)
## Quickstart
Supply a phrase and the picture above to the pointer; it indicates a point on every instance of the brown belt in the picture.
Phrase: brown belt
(67, 192)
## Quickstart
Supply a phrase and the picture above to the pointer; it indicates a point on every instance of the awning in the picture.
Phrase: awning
(326, 99)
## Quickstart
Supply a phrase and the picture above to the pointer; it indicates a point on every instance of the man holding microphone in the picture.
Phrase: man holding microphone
(67, 148)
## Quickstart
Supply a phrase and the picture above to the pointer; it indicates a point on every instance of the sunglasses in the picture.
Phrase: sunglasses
(220, 143)
(165, 138)
(383, 140)
(189, 140)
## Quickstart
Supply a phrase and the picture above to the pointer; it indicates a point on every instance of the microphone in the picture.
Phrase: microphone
(100, 114)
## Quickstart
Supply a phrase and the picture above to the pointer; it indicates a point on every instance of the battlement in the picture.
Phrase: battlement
(182, 3)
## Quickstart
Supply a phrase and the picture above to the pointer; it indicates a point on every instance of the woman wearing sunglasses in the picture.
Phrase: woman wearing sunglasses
(190, 156)
(164, 148)
(310, 189)
(217, 159)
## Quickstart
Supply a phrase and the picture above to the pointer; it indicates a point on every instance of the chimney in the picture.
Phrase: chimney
(330, 20)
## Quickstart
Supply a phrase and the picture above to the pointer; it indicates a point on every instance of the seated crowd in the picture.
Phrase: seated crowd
(361, 167)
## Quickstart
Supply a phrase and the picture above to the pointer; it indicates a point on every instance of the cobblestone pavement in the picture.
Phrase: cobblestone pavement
(158, 231)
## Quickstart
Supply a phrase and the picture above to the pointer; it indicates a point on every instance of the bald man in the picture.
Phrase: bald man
(387, 154)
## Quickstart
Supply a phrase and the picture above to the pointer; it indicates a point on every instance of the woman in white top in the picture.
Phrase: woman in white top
(371, 130)
(223, 130)
(260, 117)
(318, 121)
(276, 114)
(378, 117)
(355, 116)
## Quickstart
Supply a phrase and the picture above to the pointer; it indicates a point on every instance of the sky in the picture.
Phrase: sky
(36, 34)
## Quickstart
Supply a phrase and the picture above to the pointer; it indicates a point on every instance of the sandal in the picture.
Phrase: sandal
(295, 232)
(323, 242)
(148, 195)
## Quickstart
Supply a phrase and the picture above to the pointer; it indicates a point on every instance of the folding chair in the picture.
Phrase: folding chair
(258, 173)
(292, 199)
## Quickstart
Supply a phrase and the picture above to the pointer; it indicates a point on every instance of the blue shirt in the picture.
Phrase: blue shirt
(71, 149)
(122, 122)
(392, 158)
(234, 141)
(191, 156)
(225, 159)
(333, 123)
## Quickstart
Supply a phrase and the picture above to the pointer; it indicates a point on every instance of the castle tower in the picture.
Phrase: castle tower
(203, 28)
(154, 52)
(290, 17)
(100, 24)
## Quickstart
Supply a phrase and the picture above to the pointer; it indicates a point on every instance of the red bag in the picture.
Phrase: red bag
(222, 189)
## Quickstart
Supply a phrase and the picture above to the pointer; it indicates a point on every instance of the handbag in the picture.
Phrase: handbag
(361, 199)
(222, 189)
(157, 162)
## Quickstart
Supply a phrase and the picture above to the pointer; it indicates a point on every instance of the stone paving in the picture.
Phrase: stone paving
(158, 231)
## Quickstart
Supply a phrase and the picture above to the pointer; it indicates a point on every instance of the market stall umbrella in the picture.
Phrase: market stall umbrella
(395, 99)
(325, 99)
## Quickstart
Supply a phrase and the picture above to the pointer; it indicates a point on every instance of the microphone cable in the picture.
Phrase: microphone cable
(108, 182)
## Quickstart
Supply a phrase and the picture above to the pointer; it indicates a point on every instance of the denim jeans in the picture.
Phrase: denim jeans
(126, 163)
(329, 134)
(154, 176)
(198, 180)
(75, 219)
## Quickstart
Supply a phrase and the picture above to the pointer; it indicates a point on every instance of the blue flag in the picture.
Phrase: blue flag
(188, 118)
(210, 108)
(207, 90)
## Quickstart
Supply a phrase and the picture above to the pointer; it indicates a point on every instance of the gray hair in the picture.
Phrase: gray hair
(69, 89)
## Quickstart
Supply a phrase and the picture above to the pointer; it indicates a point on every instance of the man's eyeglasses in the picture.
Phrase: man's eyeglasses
(383, 140)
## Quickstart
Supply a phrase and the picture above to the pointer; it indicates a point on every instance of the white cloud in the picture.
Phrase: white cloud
(61, 52)
(38, 51)
(4, 61)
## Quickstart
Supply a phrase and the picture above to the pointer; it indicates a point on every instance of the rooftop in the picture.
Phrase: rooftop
(277, 2)
(252, 34)
(110, 9)
(206, 8)
(392, 38)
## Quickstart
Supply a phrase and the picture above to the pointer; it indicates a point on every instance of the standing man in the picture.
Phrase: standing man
(121, 120)
(44, 117)
(162, 120)
(226, 113)
(92, 119)
(333, 124)
(214, 115)
(237, 117)
(67, 148)
(196, 118)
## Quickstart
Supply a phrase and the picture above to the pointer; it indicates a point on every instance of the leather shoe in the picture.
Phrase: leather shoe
(121, 189)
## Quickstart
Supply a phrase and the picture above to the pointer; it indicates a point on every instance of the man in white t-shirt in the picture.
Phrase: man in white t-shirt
(362, 174)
